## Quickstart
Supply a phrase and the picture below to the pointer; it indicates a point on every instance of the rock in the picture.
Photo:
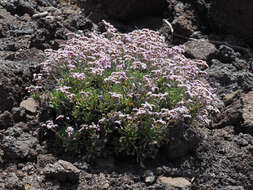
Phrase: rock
(186, 19)
(62, 171)
(247, 103)
(12, 182)
(226, 54)
(5, 120)
(121, 10)
(177, 182)
(30, 105)
(200, 49)
(234, 188)
(183, 140)
(6, 101)
(1, 156)
(230, 98)
(183, 26)
(82, 165)
(231, 115)
(239, 114)
(149, 177)
(241, 64)
(32, 182)
(39, 15)
(12, 83)
(18, 114)
(233, 17)
(19, 145)
(226, 78)
(45, 159)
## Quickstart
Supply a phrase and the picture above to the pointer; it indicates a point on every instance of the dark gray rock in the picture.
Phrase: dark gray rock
(226, 54)
(183, 140)
(12, 182)
(18, 114)
(247, 107)
(45, 159)
(149, 177)
(12, 83)
(62, 171)
(5, 120)
(19, 145)
(226, 78)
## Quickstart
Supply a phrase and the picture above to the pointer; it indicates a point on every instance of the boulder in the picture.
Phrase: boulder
(200, 49)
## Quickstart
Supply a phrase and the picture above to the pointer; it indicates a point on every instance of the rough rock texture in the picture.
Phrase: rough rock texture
(226, 78)
(63, 171)
(247, 102)
(19, 145)
(200, 49)
(14, 77)
(233, 16)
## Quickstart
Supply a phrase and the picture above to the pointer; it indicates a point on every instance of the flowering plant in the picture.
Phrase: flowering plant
(122, 92)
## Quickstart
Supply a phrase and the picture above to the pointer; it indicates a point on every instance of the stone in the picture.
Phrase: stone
(186, 19)
(183, 140)
(247, 103)
(62, 171)
(32, 182)
(226, 78)
(30, 105)
(177, 182)
(234, 188)
(18, 114)
(39, 15)
(149, 177)
(229, 98)
(5, 120)
(18, 145)
(226, 54)
(238, 113)
(45, 159)
(200, 49)
(12, 181)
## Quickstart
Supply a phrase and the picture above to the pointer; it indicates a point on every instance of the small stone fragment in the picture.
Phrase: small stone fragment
(30, 105)
(178, 182)
(39, 15)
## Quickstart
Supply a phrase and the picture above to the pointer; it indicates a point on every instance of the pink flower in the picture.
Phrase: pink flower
(69, 130)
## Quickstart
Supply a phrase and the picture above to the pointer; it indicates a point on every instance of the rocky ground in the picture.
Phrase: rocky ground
(221, 158)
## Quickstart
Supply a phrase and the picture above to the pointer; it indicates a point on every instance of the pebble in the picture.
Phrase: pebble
(39, 15)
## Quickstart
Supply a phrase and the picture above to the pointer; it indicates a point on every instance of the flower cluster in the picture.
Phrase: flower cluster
(123, 90)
